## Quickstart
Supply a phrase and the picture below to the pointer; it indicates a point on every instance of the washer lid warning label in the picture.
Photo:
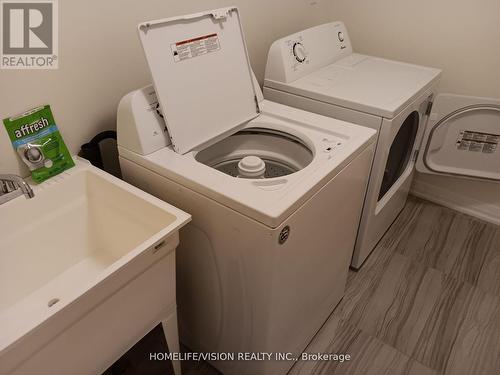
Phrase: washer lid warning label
(194, 47)
(469, 140)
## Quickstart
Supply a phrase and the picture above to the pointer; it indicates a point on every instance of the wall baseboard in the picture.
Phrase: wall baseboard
(458, 202)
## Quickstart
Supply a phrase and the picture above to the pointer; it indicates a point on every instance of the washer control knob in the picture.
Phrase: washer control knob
(340, 35)
(299, 52)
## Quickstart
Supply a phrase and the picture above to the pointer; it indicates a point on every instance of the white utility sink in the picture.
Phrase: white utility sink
(87, 267)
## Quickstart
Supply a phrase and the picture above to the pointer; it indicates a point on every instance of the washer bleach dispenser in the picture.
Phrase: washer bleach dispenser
(275, 192)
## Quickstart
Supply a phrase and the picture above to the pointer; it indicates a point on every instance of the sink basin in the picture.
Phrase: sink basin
(82, 238)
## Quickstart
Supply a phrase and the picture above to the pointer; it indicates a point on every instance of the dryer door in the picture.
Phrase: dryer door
(400, 153)
(399, 140)
(461, 138)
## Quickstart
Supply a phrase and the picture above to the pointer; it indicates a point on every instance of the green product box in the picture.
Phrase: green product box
(37, 141)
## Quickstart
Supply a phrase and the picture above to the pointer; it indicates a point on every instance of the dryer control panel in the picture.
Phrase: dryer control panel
(297, 52)
(297, 55)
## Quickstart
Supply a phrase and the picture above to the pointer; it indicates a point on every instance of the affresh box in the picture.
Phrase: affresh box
(36, 139)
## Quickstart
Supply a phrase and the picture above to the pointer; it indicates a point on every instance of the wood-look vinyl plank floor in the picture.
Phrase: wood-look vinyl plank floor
(432, 318)
(430, 290)
(463, 247)
(198, 368)
(368, 355)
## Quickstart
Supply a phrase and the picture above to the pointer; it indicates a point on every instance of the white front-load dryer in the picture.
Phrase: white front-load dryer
(316, 70)
(275, 194)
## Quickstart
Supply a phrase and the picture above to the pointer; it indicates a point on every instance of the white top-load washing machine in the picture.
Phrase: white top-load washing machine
(275, 192)
(316, 70)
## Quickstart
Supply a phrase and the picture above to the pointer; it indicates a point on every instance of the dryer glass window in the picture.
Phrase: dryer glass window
(400, 153)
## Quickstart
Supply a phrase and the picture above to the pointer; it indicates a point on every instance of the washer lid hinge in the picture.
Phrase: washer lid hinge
(415, 155)
(428, 110)
(257, 103)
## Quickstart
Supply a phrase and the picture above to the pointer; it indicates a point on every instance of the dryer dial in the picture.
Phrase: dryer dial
(299, 52)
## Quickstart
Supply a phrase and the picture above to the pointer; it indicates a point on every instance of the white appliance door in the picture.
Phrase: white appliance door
(398, 143)
(461, 138)
(201, 74)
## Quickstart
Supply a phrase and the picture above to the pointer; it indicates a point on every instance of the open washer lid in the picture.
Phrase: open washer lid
(202, 75)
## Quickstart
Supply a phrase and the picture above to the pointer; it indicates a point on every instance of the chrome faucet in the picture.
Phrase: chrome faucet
(12, 186)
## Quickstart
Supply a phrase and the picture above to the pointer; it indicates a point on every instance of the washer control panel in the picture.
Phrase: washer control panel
(301, 53)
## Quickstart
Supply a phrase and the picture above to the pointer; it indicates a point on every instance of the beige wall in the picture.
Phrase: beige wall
(101, 59)
(460, 37)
